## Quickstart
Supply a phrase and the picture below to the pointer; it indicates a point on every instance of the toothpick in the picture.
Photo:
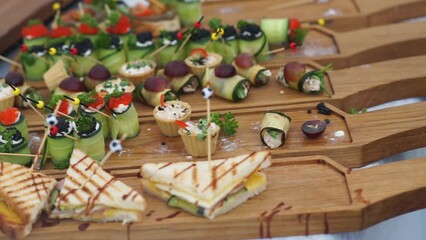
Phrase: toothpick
(110, 152)
(184, 43)
(70, 137)
(289, 4)
(11, 62)
(35, 160)
(40, 58)
(35, 110)
(157, 51)
(94, 60)
(274, 51)
(17, 154)
(80, 8)
(107, 10)
(223, 46)
(209, 147)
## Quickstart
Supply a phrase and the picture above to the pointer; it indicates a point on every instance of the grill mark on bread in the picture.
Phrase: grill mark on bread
(85, 156)
(186, 169)
(88, 167)
(35, 185)
(165, 165)
(92, 201)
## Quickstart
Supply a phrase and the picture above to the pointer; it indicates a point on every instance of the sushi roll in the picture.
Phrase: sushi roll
(16, 79)
(170, 52)
(253, 40)
(295, 75)
(283, 31)
(34, 61)
(12, 141)
(247, 67)
(274, 129)
(94, 100)
(228, 48)
(181, 79)
(140, 46)
(12, 117)
(110, 51)
(34, 34)
(82, 49)
(91, 139)
(124, 118)
(151, 91)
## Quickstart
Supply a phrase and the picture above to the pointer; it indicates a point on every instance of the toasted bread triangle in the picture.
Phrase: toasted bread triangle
(87, 186)
(197, 183)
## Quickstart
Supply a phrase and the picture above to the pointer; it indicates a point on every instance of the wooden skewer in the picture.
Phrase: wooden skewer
(17, 154)
(223, 46)
(40, 58)
(80, 8)
(11, 62)
(208, 44)
(69, 58)
(184, 43)
(289, 4)
(274, 51)
(35, 110)
(157, 51)
(70, 137)
(94, 60)
(100, 112)
(107, 9)
(110, 152)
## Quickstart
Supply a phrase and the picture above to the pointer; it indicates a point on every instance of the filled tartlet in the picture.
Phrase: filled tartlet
(166, 115)
(137, 71)
(194, 137)
(97, 75)
(121, 85)
(199, 60)
(7, 98)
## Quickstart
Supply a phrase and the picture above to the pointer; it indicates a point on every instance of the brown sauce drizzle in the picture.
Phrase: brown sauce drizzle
(47, 222)
(92, 201)
(165, 165)
(195, 176)
(79, 161)
(186, 169)
(267, 219)
(82, 227)
(64, 197)
(307, 224)
(88, 167)
(1, 168)
(168, 217)
(149, 214)
(127, 195)
(140, 174)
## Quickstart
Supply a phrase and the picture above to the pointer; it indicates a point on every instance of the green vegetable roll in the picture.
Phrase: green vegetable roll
(12, 141)
(91, 137)
(274, 129)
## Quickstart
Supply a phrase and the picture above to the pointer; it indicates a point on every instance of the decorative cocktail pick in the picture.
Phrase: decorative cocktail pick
(56, 7)
(74, 51)
(114, 147)
(14, 63)
(76, 102)
(207, 94)
(196, 26)
(216, 36)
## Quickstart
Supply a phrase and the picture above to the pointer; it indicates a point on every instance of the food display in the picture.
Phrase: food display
(274, 129)
(153, 89)
(137, 71)
(124, 119)
(247, 67)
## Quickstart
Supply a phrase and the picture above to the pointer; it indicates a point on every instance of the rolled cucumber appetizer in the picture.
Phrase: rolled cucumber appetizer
(12, 141)
(253, 41)
(140, 46)
(124, 119)
(94, 100)
(189, 11)
(295, 75)
(60, 35)
(16, 79)
(151, 91)
(119, 24)
(35, 33)
(11, 117)
(84, 50)
(226, 83)
(170, 52)
(283, 31)
(91, 141)
(61, 52)
(88, 27)
(181, 79)
(34, 62)
(59, 147)
(66, 107)
(110, 51)
(247, 67)
(199, 39)
(274, 129)
(227, 46)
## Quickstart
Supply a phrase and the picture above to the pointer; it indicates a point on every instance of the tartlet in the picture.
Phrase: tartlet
(137, 71)
(195, 140)
(166, 115)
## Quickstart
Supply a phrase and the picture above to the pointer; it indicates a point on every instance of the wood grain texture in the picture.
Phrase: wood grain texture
(305, 195)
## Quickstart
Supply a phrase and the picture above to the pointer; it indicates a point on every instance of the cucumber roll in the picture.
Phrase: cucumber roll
(294, 75)
(119, 24)
(181, 79)
(189, 11)
(247, 67)
(34, 62)
(274, 129)
(60, 51)
(170, 52)
(124, 116)
(252, 40)
(150, 92)
(283, 31)
(94, 100)
(12, 141)
(11, 117)
(59, 147)
(227, 46)
(226, 83)
(34, 34)
(200, 37)
(110, 51)
(60, 35)
(88, 27)
(84, 50)
(140, 46)
(66, 106)
(91, 137)
(16, 79)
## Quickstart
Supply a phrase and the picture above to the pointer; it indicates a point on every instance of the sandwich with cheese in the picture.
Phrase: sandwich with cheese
(89, 193)
(23, 195)
(207, 189)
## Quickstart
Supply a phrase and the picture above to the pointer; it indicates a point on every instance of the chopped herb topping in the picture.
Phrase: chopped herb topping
(85, 125)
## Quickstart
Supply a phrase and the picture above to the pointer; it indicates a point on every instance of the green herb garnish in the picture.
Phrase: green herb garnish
(89, 20)
(114, 18)
(8, 134)
(55, 99)
(27, 58)
(85, 124)
(103, 40)
(138, 64)
(299, 35)
(198, 60)
(87, 98)
(226, 121)
(273, 133)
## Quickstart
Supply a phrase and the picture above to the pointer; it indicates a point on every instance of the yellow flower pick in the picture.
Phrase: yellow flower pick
(76, 101)
(56, 6)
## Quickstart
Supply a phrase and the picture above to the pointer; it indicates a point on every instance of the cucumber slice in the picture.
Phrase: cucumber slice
(101, 118)
(21, 149)
(125, 123)
(35, 71)
(255, 47)
(228, 50)
(174, 201)
(186, 84)
(60, 149)
(112, 59)
(276, 30)
(189, 11)
(168, 54)
(35, 41)
(21, 125)
(93, 145)
(140, 53)
(82, 65)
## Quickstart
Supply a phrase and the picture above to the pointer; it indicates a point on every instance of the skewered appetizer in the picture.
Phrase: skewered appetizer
(170, 52)
(119, 24)
(58, 146)
(226, 83)
(199, 39)
(12, 141)
(35, 33)
(295, 76)
(7, 98)
(247, 67)
(16, 79)
(97, 75)
(151, 91)
(58, 52)
(71, 86)
(110, 51)
(227, 47)
(166, 114)
(283, 31)
(137, 71)
(194, 137)
(91, 139)
(34, 62)
(88, 27)
(94, 100)
(189, 11)
(124, 119)
(122, 85)
(253, 41)
(83, 50)
(181, 79)
(140, 46)
(66, 108)
(274, 129)
(11, 117)
(199, 59)
(60, 35)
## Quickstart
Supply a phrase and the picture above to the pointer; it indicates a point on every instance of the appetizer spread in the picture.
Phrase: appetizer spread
(137, 71)
(247, 67)
(274, 129)
(180, 78)
(194, 137)
(167, 113)
(151, 91)
(12, 141)
(207, 189)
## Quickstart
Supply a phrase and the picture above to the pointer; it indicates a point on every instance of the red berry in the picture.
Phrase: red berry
(293, 45)
(24, 48)
(53, 130)
(73, 51)
(179, 35)
(197, 24)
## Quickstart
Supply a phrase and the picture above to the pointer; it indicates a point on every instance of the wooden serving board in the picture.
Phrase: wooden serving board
(358, 87)
(305, 195)
(368, 137)
(340, 15)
